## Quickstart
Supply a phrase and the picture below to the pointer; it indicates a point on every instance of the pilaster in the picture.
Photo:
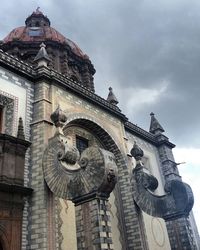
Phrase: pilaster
(40, 130)
(93, 225)
(180, 234)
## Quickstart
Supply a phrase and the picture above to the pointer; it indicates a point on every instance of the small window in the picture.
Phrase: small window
(37, 24)
(35, 31)
(81, 143)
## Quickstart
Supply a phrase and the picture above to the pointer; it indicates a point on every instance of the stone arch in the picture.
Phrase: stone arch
(123, 196)
(90, 123)
(101, 133)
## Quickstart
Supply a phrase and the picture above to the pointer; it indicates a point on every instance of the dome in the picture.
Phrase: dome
(65, 56)
(38, 29)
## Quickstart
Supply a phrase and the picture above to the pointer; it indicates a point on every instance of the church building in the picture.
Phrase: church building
(75, 173)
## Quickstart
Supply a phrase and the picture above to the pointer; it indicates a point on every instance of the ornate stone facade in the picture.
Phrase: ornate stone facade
(80, 170)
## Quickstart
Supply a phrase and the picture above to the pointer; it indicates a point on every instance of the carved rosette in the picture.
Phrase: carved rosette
(71, 176)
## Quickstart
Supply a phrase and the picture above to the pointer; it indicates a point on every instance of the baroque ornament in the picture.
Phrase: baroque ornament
(70, 175)
(176, 203)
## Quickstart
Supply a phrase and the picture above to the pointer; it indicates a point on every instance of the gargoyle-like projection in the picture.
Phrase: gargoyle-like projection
(70, 175)
(176, 203)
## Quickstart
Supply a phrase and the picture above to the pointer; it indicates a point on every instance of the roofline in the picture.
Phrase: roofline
(147, 136)
(26, 70)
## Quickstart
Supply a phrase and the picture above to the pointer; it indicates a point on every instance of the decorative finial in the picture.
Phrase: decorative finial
(58, 117)
(111, 97)
(137, 152)
(42, 58)
(42, 45)
(155, 127)
(38, 10)
(20, 131)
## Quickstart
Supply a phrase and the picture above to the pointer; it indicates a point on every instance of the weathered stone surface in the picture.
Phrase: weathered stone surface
(69, 177)
(176, 203)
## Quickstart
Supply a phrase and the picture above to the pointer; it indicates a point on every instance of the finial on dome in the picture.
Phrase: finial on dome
(42, 57)
(20, 131)
(37, 19)
(155, 127)
(38, 9)
(58, 117)
(111, 97)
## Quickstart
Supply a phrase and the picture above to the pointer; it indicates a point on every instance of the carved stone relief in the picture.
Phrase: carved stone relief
(176, 203)
(8, 114)
(70, 175)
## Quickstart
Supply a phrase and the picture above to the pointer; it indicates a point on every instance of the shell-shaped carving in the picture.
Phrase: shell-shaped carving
(95, 171)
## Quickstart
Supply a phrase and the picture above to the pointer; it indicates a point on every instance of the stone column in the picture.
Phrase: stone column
(93, 225)
(180, 234)
(41, 129)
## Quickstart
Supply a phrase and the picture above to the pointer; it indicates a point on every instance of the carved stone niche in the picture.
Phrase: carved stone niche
(12, 191)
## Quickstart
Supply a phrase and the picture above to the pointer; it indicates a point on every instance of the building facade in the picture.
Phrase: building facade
(76, 173)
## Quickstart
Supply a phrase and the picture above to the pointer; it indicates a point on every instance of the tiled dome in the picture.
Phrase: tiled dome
(64, 55)
(38, 29)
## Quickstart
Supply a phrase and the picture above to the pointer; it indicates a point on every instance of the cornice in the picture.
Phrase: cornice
(12, 63)
(35, 75)
(80, 90)
(25, 70)
(14, 140)
(15, 189)
(147, 135)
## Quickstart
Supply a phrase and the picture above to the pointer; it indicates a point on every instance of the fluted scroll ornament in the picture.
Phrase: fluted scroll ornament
(177, 202)
(70, 175)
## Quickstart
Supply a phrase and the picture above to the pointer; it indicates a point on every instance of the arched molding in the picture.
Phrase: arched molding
(90, 123)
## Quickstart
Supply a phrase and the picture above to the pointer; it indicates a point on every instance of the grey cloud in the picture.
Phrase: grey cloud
(134, 44)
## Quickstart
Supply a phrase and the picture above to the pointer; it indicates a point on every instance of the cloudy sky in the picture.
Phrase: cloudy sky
(148, 51)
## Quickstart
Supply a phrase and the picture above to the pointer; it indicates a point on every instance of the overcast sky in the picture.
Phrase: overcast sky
(147, 50)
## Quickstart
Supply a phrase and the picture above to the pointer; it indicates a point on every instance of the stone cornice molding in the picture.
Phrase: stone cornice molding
(149, 137)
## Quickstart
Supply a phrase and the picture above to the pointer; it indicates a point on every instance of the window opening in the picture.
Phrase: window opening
(37, 24)
(81, 143)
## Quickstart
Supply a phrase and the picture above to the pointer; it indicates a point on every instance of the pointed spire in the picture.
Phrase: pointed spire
(42, 58)
(20, 131)
(155, 127)
(111, 97)
(58, 117)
